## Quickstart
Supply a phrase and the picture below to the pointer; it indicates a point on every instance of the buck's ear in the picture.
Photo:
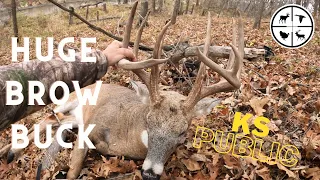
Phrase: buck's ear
(205, 105)
(142, 91)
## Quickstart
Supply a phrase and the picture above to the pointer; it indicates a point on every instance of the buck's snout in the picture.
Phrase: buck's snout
(149, 175)
(151, 170)
(158, 153)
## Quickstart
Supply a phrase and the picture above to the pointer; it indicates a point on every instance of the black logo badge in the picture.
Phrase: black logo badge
(292, 26)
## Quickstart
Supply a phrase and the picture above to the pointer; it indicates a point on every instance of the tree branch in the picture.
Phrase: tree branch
(141, 47)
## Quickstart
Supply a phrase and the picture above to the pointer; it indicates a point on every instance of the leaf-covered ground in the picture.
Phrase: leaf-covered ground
(286, 90)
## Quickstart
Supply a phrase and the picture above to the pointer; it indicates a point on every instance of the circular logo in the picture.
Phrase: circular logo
(292, 26)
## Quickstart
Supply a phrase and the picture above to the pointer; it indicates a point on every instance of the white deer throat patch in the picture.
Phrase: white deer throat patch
(144, 138)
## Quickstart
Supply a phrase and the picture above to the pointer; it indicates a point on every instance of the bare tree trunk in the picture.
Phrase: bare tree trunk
(175, 11)
(14, 18)
(153, 6)
(298, 2)
(318, 8)
(181, 9)
(306, 3)
(143, 12)
(223, 6)
(197, 2)
(192, 9)
(205, 4)
(105, 7)
(87, 13)
(187, 6)
(125, 1)
(47, 73)
(270, 8)
(316, 4)
(98, 16)
(257, 20)
(161, 5)
(119, 1)
(245, 10)
(71, 15)
(203, 12)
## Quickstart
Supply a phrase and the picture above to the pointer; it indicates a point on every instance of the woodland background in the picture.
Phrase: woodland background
(284, 87)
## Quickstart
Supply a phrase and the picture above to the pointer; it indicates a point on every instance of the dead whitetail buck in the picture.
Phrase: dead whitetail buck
(150, 123)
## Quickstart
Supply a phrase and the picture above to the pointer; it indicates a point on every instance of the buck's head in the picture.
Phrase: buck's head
(170, 113)
(167, 123)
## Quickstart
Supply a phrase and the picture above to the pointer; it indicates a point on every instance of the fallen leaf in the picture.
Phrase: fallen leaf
(231, 161)
(272, 126)
(314, 173)
(264, 173)
(288, 172)
(215, 159)
(251, 161)
(290, 90)
(199, 176)
(199, 157)
(4, 167)
(257, 105)
(213, 171)
(191, 164)
(181, 152)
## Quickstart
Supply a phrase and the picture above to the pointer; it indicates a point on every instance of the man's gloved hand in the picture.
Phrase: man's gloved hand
(115, 52)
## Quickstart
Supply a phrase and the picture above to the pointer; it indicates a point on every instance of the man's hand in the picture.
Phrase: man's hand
(115, 52)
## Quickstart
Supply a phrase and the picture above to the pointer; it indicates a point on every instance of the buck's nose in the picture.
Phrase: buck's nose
(149, 175)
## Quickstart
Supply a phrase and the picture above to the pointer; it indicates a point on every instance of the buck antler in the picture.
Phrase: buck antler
(151, 80)
(126, 64)
(231, 75)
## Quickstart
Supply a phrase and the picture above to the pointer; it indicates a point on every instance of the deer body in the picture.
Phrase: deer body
(123, 119)
(118, 115)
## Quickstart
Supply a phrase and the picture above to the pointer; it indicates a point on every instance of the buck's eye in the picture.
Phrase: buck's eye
(181, 134)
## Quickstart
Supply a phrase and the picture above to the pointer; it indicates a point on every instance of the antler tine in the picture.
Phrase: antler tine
(230, 75)
(234, 41)
(128, 65)
(124, 63)
(154, 80)
(194, 95)
(139, 34)
(228, 83)
(126, 36)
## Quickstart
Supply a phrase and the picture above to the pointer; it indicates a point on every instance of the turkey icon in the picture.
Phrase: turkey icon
(284, 35)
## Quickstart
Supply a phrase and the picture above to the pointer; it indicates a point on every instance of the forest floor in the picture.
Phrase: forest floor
(286, 90)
